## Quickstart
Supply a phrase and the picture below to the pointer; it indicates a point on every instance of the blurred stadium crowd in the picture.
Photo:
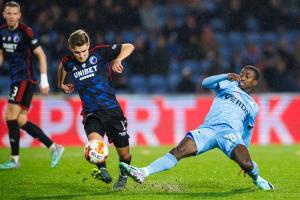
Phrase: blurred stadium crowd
(178, 42)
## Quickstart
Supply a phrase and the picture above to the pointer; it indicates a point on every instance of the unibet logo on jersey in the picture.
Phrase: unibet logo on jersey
(10, 47)
(85, 73)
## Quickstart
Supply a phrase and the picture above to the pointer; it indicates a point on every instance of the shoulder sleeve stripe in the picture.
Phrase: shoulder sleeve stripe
(65, 59)
(99, 47)
(27, 30)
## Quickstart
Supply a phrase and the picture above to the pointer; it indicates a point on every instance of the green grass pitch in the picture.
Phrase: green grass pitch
(209, 176)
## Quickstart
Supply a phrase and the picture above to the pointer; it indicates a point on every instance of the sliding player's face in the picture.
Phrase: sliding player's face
(12, 16)
(247, 80)
(81, 53)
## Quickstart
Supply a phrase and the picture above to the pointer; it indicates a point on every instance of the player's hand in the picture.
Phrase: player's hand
(68, 88)
(117, 66)
(44, 90)
(233, 77)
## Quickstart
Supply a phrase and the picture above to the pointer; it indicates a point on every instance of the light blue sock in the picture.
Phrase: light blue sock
(163, 163)
(254, 172)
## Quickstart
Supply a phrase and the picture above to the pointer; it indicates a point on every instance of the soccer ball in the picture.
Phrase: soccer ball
(96, 151)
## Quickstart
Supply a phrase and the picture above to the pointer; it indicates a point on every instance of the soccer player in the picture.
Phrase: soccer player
(91, 73)
(17, 43)
(227, 126)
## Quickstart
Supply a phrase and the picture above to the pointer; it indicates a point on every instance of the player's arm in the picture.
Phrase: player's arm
(125, 51)
(212, 82)
(44, 85)
(68, 88)
(1, 57)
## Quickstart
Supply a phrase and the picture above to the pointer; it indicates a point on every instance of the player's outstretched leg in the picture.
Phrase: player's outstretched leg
(56, 153)
(101, 173)
(185, 148)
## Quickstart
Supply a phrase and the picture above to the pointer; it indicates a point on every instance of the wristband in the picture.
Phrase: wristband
(44, 81)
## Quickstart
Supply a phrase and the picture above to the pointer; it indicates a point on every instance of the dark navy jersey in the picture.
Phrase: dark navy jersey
(17, 46)
(93, 79)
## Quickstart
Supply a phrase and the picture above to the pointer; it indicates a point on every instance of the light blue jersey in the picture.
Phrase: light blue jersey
(230, 119)
(232, 108)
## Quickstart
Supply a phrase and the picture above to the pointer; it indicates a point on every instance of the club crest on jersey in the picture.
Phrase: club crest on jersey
(83, 65)
(34, 41)
(16, 38)
(93, 60)
(74, 68)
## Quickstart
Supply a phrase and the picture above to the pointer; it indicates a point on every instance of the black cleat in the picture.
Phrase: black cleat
(120, 183)
(101, 174)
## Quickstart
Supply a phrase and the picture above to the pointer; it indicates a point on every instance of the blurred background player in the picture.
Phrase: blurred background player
(91, 72)
(17, 45)
(227, 126)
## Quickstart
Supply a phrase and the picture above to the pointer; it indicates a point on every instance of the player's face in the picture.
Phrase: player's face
(81, 53)
(247, 80)
(12, 16)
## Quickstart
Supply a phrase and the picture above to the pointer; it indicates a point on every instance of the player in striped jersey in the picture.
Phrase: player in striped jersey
(18, 45)
(91, 70)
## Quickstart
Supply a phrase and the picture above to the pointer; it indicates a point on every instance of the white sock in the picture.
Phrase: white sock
(52, 147)
(145, 171)
(15, 158)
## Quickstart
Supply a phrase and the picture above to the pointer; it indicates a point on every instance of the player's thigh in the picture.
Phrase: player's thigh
(204, 138)
(117, 128)
(21, 93)
(93, 127)
(228, 140)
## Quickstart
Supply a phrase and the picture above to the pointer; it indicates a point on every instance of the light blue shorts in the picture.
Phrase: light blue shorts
(207, 138)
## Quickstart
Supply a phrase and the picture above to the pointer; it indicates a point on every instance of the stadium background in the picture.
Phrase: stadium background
(178, 43)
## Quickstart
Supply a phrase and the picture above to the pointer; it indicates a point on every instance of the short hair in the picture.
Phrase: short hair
(254, 69)
(78, 38)
(12, 4)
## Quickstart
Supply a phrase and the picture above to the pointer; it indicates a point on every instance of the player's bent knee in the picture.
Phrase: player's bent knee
(22, 119)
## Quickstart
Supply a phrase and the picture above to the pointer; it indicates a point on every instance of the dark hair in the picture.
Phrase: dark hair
(254, 69)
(12, 4)
(78, 38)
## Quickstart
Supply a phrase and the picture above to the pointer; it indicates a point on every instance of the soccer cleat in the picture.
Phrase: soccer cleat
(56, 155)
(101, 174)
(134, 172)
(10, 164)
(120, 183)
(263, 184)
